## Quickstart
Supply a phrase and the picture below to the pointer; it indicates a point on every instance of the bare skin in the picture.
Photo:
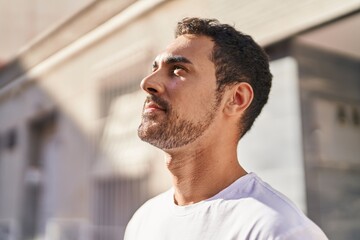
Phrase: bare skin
(203, 166)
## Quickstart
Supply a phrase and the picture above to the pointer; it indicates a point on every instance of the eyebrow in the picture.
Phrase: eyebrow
(173, 59)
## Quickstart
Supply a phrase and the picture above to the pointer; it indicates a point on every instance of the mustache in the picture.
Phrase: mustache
(159, 101)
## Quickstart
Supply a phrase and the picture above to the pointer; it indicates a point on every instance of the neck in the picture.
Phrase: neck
(199, 173)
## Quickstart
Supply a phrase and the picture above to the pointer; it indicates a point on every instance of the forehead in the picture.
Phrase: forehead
(197, 49)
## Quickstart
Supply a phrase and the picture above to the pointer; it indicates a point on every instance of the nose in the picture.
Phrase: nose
(152, 85)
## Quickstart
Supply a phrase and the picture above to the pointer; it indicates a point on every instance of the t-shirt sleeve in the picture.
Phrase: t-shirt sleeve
(309, 232)
(131, 229)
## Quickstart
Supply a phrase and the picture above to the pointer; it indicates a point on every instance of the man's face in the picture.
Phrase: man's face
(182, 101)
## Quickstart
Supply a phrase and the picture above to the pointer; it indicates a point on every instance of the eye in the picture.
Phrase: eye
(177, 69)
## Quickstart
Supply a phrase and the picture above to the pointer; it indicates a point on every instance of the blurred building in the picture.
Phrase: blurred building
(71, 165)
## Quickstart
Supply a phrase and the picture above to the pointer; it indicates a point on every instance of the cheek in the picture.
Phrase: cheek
(173, 85)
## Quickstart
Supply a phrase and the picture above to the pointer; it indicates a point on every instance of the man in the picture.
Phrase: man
(204, 93)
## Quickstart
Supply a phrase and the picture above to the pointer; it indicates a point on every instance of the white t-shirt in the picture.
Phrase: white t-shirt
(247, 209)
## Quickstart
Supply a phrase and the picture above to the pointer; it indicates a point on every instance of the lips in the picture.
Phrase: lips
(155, 104)
(151, 106)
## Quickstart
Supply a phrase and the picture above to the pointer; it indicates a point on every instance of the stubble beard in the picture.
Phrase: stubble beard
(170, 131)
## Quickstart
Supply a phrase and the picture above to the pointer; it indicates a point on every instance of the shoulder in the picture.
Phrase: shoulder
(269, 198)
(261, 212)
(273, 215)
(144, 213)
(152, 204)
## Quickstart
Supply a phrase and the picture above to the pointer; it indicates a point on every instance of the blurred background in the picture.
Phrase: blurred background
(71, 165)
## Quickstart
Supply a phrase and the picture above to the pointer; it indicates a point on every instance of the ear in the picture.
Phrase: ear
(240, 98)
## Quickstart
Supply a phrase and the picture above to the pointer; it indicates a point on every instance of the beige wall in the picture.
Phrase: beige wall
(22, 20)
